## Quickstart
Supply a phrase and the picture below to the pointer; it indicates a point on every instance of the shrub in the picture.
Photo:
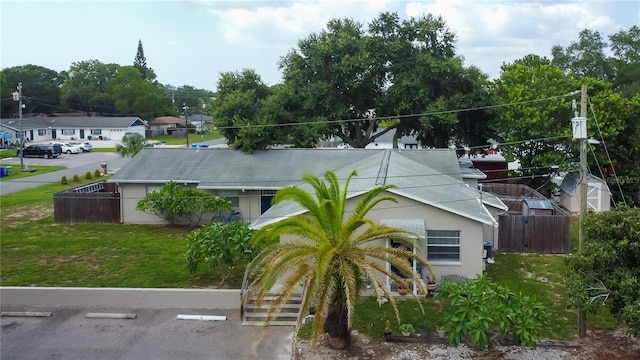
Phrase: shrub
(219, 245)
(97, 173)
(478, 308)
(181, 205)
(87, 175)
(76, 178)
(64, 181)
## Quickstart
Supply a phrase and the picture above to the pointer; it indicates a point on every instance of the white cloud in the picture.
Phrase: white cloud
(297, 18)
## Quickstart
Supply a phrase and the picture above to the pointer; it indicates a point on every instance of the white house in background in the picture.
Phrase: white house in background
(453, 220)
(598, 193)
(385, 141)
(38, 129)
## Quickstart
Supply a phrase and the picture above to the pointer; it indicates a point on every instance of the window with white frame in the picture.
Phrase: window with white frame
(443, 245)
(42, 132)
(151, 188)
(68, 131)
(96, 131)
(231, 195)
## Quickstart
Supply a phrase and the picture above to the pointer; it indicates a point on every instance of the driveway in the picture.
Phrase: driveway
(153, 334)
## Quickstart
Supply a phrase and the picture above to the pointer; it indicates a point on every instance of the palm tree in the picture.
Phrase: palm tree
(332, 253)
(131, 145)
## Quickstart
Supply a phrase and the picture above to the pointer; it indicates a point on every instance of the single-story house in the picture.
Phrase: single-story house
(200, 121)
(598, 193)
(166, 122)
(73, 128)
(453, 220)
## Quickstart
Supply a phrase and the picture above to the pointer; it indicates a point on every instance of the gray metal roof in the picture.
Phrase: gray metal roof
(411, 171)
(42, 122)
(570, 182)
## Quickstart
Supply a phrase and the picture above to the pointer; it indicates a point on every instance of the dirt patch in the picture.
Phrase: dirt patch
(22, 214)
(596, 346)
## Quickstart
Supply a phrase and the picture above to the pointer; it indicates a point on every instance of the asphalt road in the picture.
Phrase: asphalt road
(153, 334)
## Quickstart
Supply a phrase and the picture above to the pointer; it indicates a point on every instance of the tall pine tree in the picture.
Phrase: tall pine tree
(140, 63)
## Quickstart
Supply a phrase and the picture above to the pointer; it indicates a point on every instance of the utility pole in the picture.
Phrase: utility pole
(186, 129)
(581, 134)
(17, 96)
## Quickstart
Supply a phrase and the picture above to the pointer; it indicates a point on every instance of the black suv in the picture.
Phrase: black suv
(44, 151)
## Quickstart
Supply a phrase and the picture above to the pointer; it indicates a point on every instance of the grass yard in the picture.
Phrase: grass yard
(17, 174)
(42, 253)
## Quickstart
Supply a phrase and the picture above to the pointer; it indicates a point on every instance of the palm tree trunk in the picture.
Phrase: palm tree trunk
(336, 327)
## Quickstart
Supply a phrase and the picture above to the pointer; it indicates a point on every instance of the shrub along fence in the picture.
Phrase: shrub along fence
(98, 202)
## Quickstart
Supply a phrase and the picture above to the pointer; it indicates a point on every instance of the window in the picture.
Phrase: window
(231, 195)
(96, 131)
(68, 131)
(151, 188)
(42, 132)
(443, 245)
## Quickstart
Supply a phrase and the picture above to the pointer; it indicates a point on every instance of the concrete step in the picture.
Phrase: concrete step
(255, 315)
(272, 323)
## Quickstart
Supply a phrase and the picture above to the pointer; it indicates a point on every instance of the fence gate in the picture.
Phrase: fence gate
(547, 234)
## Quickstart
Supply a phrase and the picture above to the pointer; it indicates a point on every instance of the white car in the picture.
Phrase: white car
(67, 148)
(84, 146)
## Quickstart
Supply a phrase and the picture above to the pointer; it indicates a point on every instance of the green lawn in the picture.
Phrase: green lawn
(17, 174)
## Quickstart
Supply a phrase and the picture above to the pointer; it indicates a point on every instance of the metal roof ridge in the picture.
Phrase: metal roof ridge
(384, 168)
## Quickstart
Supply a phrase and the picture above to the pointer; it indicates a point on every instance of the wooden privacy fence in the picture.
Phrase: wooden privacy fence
(97, 202)
(547, 234)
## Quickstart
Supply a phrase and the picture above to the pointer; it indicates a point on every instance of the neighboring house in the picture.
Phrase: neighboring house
(452, 219)
(598, 193)
(166, 122)
(40, 129)
(200, 121)
(492, 164)
(385, 141)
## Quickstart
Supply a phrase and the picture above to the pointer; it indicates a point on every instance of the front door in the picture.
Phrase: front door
(53, 134)
(265, 200)
(396, 244)
(81, 133)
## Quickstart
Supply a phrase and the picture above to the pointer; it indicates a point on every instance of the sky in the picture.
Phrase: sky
(192, 42)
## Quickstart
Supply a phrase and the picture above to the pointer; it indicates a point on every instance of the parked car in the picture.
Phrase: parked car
(84, 146)
(40, 150)
(67, 148)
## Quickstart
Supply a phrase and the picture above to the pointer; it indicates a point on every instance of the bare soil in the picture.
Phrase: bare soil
(22, 214)
(596, 346)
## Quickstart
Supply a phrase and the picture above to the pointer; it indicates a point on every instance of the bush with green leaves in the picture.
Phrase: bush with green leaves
(478, 308)
(606, 271)
(218, 245)
(64, 181)
(88, 176)
(97, 173)
(76, 178)
(181, 205)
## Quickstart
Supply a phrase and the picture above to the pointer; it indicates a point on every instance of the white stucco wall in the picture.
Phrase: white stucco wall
(471, 233)
(131, 194)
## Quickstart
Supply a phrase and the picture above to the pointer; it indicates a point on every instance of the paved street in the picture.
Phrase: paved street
(75, 163)
(152, 334)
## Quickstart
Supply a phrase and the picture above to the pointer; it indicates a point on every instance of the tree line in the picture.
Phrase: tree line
(97, 88)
